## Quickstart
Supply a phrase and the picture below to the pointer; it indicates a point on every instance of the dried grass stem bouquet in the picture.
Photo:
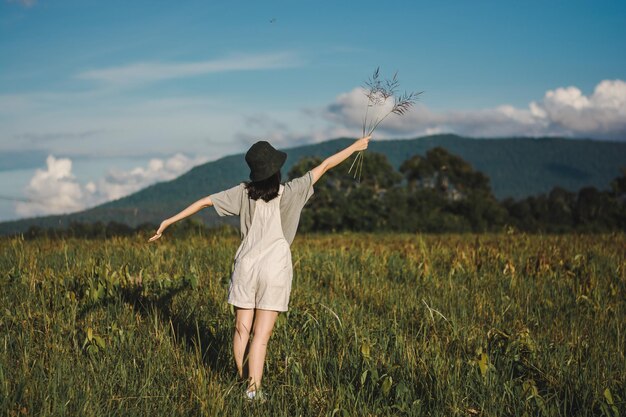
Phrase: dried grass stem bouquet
(380, 93)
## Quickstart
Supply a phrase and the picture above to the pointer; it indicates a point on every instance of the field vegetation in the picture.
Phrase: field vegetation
(379, 324)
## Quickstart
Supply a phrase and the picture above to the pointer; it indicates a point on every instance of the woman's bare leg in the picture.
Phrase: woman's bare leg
(263, 325)
(243, 327)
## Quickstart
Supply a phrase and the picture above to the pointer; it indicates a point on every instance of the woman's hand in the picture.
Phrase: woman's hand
(332, 161)
(159, 231)
(361, 144)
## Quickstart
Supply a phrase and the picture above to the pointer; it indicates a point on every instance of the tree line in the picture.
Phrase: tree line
(435, 193)
(440, 192)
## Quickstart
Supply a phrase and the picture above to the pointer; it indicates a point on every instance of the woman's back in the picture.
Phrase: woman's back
(236, 202)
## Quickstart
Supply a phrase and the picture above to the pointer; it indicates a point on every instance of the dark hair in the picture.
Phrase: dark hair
(266, 189)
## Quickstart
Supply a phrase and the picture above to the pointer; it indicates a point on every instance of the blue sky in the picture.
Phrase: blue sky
(98, 99)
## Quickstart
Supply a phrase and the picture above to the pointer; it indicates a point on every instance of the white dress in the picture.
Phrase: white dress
(262, 271)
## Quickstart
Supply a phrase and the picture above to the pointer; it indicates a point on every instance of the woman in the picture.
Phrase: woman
(269, 214)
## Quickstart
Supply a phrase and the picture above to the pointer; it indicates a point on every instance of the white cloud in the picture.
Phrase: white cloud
(25, 3)
(146, 72)
(601, 114)
(288, 129)
(289, 139)
(52, 136)
(117, 183)
(56, 190)
(564, 111)
(114, 126)
(53, 190)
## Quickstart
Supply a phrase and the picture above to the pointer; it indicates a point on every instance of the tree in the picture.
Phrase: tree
(618, 187)
(456, 189)
(418, 171)
(341, 203)
(446, 172)
(560, 210)
(618, 193)
(324, 210)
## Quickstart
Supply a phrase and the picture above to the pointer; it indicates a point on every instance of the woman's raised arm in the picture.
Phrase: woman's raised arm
(339, 157)
(192, 209)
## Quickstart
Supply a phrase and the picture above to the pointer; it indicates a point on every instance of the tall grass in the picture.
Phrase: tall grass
(382, 100)
(486, 325)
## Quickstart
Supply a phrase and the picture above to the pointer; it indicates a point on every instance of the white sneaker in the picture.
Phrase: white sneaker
(255, 396)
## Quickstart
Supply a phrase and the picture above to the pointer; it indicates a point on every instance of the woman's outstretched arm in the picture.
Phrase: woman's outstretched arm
(339, 157)
(192, 209)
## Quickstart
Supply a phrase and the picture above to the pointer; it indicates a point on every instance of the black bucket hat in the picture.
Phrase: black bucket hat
(264, 161)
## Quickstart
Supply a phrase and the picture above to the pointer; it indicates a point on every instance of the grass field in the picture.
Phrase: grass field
(489, 325)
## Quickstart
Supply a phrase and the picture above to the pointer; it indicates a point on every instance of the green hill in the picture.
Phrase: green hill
(517, 167)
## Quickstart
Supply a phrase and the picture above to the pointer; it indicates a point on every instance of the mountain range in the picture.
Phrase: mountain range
(517, 168)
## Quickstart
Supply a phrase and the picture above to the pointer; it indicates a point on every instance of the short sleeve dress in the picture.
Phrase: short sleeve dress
(262, 269)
